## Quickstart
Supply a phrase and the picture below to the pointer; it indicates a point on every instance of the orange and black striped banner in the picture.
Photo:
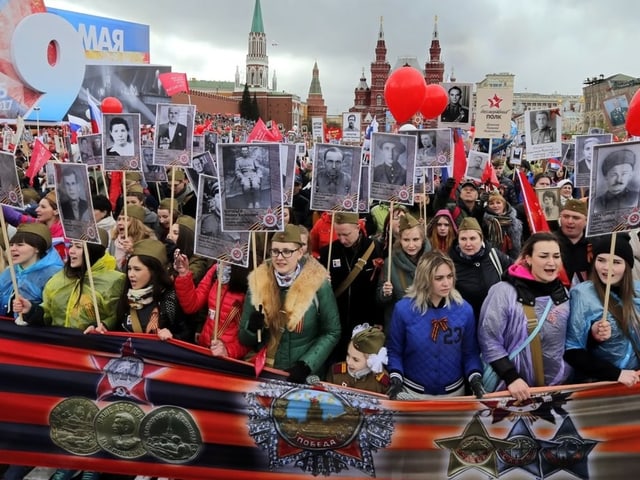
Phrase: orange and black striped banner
(132, 404)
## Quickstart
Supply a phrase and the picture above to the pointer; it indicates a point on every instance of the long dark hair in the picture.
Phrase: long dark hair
(625, 313)
(160, 279)
(186, 240)
(96, 252)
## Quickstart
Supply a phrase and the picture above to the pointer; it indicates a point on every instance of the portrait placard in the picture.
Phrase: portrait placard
(549, 199)
(90, 147)
(476, 164)
(174, 134)
(543, 130)
(211, 241)
(614, 187)
(458, 112)
(74, 202)
(434, 147)
(121, 142)
(251, 186)
(10, 192)
(336, 177)
(583, 156)
(393, 159)
(351, 127)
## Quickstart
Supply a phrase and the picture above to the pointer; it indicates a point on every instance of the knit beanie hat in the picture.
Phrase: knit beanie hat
(623, 247)
(470, 223)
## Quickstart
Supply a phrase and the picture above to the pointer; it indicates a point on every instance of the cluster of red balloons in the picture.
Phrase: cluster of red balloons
(633, 116)
(111, 105)
(407, 93)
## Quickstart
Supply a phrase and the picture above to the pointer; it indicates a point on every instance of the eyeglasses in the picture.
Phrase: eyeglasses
(286, 253)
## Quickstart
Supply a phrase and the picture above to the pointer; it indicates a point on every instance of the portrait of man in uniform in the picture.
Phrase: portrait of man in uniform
(388, 168)
(618, 169)
(332, 178)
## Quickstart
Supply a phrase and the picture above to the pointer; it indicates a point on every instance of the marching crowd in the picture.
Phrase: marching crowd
(451, 296)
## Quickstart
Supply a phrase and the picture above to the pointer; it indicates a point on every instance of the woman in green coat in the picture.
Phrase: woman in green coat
(291, 310)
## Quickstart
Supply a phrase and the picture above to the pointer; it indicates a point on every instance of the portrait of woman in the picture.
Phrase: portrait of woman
(121, 144)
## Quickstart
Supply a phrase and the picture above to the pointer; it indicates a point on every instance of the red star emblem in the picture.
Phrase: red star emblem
(495, 101)
(124, 376)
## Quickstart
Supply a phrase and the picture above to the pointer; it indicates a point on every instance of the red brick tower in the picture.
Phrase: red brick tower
(434, 68)
(379, 73)
(315, 102)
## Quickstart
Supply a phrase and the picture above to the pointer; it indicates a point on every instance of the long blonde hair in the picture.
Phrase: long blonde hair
(420, 289)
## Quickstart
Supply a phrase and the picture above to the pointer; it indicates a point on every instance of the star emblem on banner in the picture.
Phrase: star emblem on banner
(525, 453)
(474, 449)
(494, 102)
(568, 451)
(320, 429)
(124, 377)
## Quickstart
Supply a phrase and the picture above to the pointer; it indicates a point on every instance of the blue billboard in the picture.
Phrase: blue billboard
(106, 39)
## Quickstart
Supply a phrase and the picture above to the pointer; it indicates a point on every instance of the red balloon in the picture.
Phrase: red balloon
(404, 93)
(633, 116)
(435, 101)
(111, 105)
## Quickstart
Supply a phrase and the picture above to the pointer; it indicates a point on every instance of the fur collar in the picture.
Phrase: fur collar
(298, 298)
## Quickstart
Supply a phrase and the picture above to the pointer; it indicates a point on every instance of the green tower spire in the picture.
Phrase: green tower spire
(256, 24)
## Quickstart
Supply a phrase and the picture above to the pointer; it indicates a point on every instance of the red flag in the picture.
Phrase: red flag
(489, 175)
(459, 158)
(174, 82)
(532, 209)
(115, 188)
(39, 157)
(260, 132)
(260, 361)
(276, 136)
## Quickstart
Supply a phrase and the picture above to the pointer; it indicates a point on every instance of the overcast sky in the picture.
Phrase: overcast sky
(550, 45)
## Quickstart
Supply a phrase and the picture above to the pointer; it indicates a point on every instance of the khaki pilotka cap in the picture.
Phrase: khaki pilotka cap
(151, 248)
(291, 234)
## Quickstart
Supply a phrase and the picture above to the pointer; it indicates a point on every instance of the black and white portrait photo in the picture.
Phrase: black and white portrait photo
(86, 149)
(543, 130)
(203, 164)
(211, 241)
(336, 177)
(476, 164)
(615, 188)
(121, 141)
(251, 185)
(457, 113)
(584, 155)
(393, 159)
(434, 147)
(150, 171)
(549, 199)
(74, 202)
(351, 127)
(174, 134)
